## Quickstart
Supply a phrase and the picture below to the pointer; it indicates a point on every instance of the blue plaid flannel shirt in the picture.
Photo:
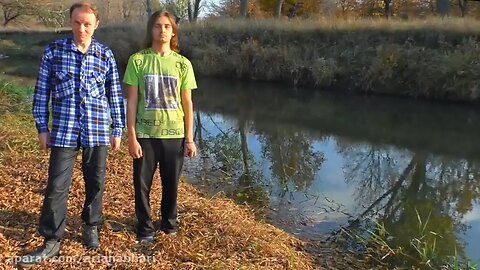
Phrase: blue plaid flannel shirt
(85, 92)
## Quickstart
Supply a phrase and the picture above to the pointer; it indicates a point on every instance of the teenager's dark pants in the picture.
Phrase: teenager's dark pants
(54, 210)
(168, 154)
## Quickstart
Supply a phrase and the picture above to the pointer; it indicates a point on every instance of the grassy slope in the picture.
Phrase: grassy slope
(434, 58)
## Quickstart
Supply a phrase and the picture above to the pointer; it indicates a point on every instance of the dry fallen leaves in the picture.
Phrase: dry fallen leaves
(215, 233)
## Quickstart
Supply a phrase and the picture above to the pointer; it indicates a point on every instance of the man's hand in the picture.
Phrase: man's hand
(190, 149)
(44, 140)
(134, 148)
(115, 143)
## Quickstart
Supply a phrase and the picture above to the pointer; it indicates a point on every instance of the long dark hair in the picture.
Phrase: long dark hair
(151, 23)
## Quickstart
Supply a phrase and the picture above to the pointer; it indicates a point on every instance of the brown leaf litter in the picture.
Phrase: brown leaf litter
(214, 233)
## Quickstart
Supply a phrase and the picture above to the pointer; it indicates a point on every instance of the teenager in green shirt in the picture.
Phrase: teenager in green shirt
(159, 120)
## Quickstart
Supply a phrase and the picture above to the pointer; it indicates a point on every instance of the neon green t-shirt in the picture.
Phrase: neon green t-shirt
(159, 80)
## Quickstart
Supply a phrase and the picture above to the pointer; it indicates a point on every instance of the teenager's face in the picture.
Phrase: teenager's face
(162, 30)
(83, 25)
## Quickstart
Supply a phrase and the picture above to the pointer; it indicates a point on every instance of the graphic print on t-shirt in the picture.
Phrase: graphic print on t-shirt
(160, 92)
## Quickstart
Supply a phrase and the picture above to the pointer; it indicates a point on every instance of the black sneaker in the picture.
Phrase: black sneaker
(90, 237)
(50, 248)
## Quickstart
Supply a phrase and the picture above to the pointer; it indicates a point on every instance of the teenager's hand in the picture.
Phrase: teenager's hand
(190, 149)
(44, 140)
(115, 142)
(134, 148)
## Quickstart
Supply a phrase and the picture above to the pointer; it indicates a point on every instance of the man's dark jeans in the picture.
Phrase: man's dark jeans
(54, 211)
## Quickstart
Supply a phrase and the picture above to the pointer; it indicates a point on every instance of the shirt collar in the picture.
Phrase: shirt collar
(94, 46)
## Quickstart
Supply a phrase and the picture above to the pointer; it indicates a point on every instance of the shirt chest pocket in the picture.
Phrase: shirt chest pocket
(64, 86)
(96, 84)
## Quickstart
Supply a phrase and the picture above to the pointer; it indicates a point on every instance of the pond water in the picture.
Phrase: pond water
(318, 161)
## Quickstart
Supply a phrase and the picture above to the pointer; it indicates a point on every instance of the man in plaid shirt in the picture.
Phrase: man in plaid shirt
(80, 77)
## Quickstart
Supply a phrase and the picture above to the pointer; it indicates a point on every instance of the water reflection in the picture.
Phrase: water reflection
(319, 162)
(293, 161)
(427, 201)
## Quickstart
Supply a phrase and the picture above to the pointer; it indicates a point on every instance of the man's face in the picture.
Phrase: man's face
(162, 30)
(83, 25)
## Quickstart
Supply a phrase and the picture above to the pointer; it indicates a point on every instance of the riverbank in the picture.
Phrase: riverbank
(434, 58)
(20, 67)
(215, 233)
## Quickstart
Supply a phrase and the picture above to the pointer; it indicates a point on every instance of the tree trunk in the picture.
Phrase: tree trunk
(244, 146)
(189, 11)
(196, 10)
(9, 15)
(7, 20)
(199, 132)
(388, 8)
(392, 190)
(278, 8)
(419, 175)
(243, 8)
(463, 7)
(106, 15)
(149, 8)
(443, 7)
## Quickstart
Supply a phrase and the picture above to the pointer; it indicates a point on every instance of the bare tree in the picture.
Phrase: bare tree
(224, 8)
(278, 8)
(126, 9)
(193, 10)
(388, 8)
(196, 9)
(13, 9)
(130, 8)
(243, 8)
(178, 8)
(463, 7)
(443, 7)
(149, 7)
(189, 11)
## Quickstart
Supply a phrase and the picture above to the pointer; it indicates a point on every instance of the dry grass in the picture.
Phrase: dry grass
(215, 233)
(32, 29)
(432, 58)
(460, 25)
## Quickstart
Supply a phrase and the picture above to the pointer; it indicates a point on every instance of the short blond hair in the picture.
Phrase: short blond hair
(86, 7)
